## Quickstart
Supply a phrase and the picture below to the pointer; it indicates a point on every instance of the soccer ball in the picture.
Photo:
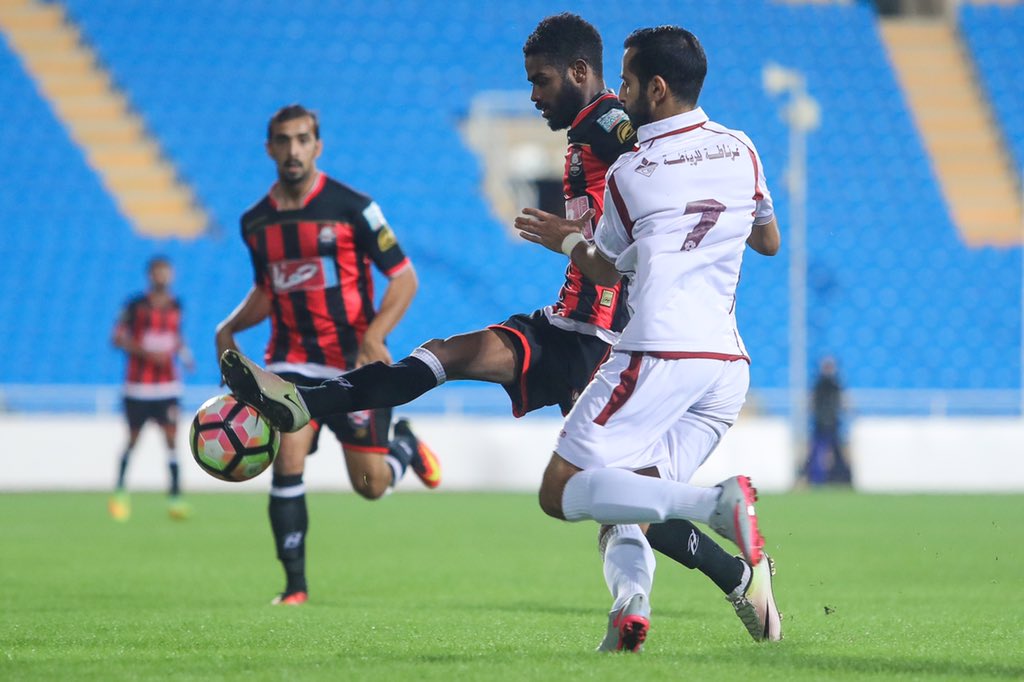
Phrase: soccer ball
(232, 441)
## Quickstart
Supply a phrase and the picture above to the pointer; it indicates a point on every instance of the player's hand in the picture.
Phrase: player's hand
(548, 229)
(372, 350)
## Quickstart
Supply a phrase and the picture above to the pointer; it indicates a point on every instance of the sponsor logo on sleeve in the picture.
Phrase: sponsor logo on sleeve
(374, 216)
(607, 298)
(386, 238)
(625, 131)
(610, 118)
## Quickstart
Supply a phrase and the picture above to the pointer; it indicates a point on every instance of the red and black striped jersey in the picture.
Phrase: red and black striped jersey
(155, 329)
(599, 134)
(314, 264)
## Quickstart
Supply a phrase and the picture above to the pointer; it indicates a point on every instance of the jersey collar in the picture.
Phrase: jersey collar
(673, 125)
(311, 193)
(601, 96)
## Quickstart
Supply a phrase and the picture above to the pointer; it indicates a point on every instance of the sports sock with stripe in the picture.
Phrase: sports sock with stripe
(289, 521)
(375, 385)
(628, 563)
(683, 542)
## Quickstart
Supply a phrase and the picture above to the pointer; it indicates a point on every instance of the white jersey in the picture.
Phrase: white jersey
(684, 203)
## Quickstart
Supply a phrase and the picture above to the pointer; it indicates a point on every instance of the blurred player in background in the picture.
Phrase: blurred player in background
(149, 332)
(547, 357)
(686, 202)
(312, 240)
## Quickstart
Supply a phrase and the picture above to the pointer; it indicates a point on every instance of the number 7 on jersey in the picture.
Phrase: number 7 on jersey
(709, 210)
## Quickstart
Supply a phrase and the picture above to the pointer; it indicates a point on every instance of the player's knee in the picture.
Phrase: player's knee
(551, 500)
(552, 486)
(370, 486)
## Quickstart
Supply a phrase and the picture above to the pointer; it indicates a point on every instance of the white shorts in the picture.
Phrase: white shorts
(641, 411)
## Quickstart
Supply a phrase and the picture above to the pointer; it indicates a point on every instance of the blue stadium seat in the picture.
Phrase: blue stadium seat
(894, 293)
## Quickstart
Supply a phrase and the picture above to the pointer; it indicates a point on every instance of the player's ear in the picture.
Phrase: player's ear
(657, 89)
(319, 148)
(578, 71)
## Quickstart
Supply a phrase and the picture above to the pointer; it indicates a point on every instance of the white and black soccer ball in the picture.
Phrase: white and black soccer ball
(232, 441)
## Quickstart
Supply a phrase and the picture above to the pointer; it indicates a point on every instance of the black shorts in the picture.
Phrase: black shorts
(553, 365)
(138, 411)
(366, 430)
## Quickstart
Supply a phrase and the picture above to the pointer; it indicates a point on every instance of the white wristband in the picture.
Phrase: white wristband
(570, 242)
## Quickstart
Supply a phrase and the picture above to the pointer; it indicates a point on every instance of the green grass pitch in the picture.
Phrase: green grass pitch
(459, 586)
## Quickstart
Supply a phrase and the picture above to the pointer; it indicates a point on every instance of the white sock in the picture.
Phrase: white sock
(628, 564)
(614, 496)
(431, 361)
(397, 469)
(744, 583)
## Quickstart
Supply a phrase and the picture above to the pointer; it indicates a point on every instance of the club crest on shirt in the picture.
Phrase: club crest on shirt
(326, 234)
(646, 168)
(576, 162)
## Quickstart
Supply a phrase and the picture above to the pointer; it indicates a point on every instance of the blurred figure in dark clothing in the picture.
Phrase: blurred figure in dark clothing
(826, 462)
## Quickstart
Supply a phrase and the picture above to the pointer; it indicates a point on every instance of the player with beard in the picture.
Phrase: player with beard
(687, 202)
(549, 356)
(311, 240)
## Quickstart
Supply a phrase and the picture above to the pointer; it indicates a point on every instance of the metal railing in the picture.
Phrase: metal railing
(483, 399)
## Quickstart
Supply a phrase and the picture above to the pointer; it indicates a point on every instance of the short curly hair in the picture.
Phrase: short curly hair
(563, 38)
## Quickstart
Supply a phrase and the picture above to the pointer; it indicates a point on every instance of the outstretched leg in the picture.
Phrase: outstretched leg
(484, 355)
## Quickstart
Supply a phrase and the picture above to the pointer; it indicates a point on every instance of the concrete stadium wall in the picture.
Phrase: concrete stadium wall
(41, 452)
(931, 454)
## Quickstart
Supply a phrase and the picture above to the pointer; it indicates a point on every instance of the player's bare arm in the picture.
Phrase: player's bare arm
(253, 309)
(397, 297)
(765, 238)
(566, 236)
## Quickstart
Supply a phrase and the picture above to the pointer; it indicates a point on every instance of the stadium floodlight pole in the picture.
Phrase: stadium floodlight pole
(802, 115)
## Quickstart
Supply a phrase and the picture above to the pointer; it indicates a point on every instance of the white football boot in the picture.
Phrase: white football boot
(627, 627)
(734, 517)
(755, 605)
(273, 397)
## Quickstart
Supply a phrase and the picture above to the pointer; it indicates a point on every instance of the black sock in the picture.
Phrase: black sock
(123, 468)
(289, 521)
(683, 542)
(370, 387)
(173, 467)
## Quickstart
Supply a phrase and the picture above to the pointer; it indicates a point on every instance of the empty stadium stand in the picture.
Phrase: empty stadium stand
(894, 293)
